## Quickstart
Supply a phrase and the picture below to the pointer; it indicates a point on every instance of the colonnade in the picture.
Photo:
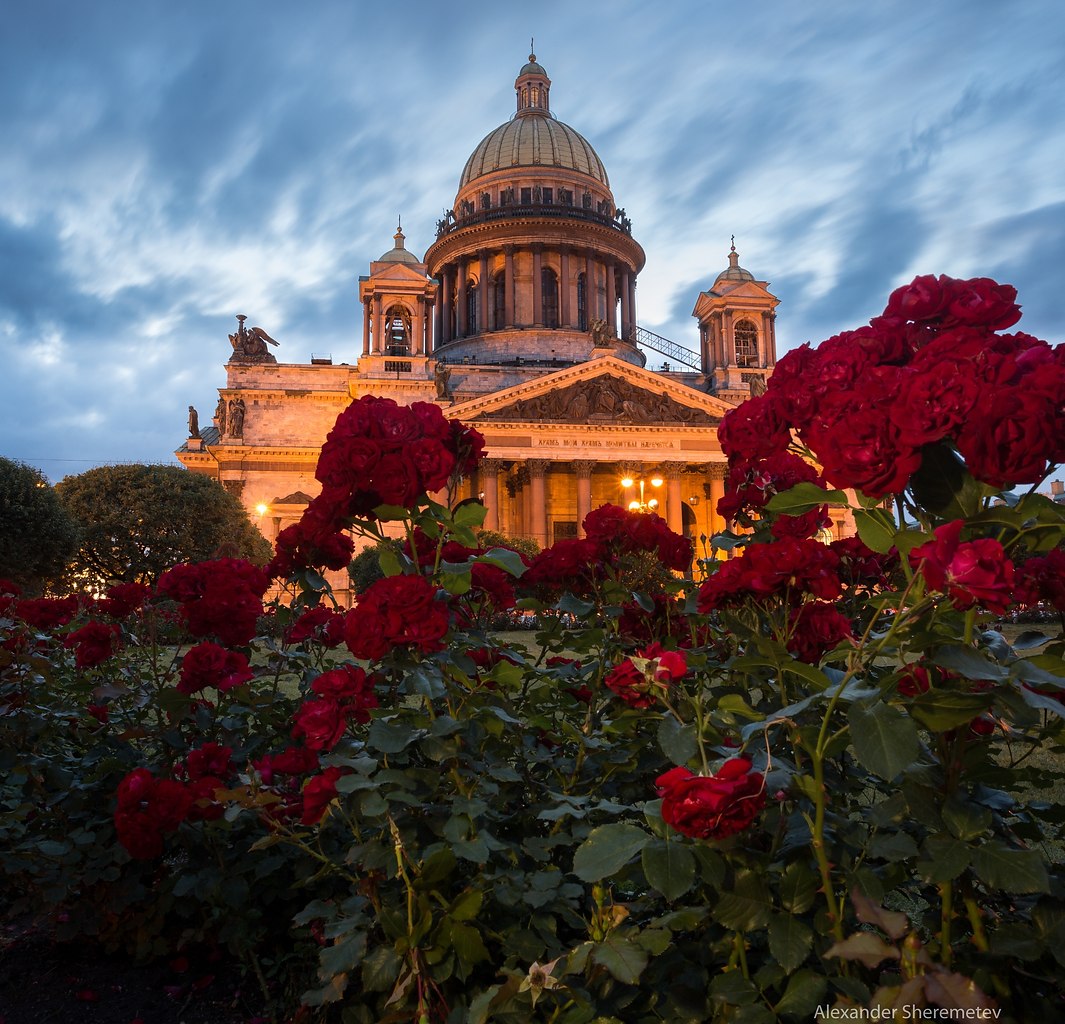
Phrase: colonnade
(718, 337)
(375, 340)
(607, 282)
(515, 494)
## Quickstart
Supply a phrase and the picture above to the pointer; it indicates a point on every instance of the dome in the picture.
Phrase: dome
(734, 272)
(534, 140)
(399, 252)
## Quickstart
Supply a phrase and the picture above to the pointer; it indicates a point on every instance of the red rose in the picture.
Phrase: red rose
(1013, 440)
(970, 573)
(1043, 579)
(320, 723)
(291, 761)
(396, 611)
(148, 808)
(207, 664)
(351, 688)
(321, 624)
(756, 429)
(914, 681)
(712, 807)
(318, 793)
(816, 628)
(93, 643)
(221, 598)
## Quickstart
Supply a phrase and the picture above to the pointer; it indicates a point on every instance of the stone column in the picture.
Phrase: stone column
(482, 327)
(460, 300)
(417, 330)
(626, 306)
(508, 284)
(583, 468)
(538, 284)
(632, 301)
(489, 477)
(538, 500)
(611, 297)
(674, 500)
(366, 327)
(447, 306)
(591, 293)
(378, 326)
(564, 304)
(431, 321)
(717, 492)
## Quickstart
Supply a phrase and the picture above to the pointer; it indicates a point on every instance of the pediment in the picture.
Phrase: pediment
(407, 272)
(606, 392)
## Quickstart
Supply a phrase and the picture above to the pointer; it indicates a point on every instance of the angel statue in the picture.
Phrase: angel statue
(249, 346)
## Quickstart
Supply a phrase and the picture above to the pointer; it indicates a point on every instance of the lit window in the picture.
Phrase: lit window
(746, 344)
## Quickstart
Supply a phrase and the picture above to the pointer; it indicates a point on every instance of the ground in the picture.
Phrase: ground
(42, 982)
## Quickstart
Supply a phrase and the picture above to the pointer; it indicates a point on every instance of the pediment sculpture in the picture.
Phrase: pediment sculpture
(604, 399)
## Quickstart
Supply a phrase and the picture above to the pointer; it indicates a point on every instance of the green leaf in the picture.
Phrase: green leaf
(470, 515)
(968, 662)
(943, 485)
(466, 906)
(802, 497)
(798, 887)
(867, 947)
(621, 957)
(747, 907)
(942, 710)
(1003, 867)
(380, 969)
(892, 847)
(341, 957)
(731, 988)
(607, 850)
(885, 740)
(965, 819)
(669, 867)
(390, 737)
(678, 742)
(805, 992)
(504, 558)
(468, 944)
(790, 941)
(876, 528)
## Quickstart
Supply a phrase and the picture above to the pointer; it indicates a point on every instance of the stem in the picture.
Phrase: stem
(946, 899)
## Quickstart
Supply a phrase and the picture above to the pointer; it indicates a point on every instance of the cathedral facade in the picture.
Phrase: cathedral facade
(521, 321)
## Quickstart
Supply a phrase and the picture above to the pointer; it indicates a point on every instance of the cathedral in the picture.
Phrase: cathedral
(520, 320)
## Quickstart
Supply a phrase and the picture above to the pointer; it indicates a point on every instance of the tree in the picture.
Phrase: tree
(138, 521)
(37, 536)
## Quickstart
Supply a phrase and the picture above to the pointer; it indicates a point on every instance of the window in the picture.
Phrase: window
(499, 301)
(526, 196)
(746, 343)
(397, 331)
(549, 293)
(549, 195)
(582, 303)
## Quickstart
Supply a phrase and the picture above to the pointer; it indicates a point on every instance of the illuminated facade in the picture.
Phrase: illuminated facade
(520, 320)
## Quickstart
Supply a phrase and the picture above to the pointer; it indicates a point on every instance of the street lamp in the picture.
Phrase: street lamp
(648, 505)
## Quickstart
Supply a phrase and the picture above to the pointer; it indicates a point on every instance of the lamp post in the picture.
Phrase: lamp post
(643, 505)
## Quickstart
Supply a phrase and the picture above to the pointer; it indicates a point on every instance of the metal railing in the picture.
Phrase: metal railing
(512, 211)
(678, 353)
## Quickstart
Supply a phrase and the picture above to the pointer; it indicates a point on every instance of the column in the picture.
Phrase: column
(366, 327)
(538, 285)
(431, 327)
(482, 327)
(445, 312)
(538, 500)
(632, 301)
(674, 500)
(460, 300)
(564, 304)
(378, 326)
(417, 330)
(489, 477)
(717, 492)
(591, 292)
(626, 310)
(583, 468)
(508, 284)
(611, 298)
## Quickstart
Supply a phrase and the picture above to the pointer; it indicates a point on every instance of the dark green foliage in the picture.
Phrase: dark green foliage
(37, 536)
(138, 521)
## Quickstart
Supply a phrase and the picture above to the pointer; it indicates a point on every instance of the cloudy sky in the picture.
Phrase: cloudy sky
(165, 166)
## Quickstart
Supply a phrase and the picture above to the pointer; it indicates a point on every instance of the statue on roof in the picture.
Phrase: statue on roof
(249, 346)
(194, 422)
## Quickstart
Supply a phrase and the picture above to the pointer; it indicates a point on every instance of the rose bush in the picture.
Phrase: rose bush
(815, 779)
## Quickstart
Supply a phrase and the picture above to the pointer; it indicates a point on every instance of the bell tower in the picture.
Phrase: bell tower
(737, 332)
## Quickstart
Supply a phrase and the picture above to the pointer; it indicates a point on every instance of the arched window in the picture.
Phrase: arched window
(582, 303)
(499, 301)
(397, 331)
(549, 291)
(471, 307)
(746, 343)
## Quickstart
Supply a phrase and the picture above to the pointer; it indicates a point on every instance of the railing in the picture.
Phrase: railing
(455, 221)
(678, 353)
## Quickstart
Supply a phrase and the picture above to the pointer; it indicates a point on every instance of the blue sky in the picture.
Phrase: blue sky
(166, 166)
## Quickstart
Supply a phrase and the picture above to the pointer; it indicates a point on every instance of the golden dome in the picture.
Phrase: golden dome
(534, 140)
